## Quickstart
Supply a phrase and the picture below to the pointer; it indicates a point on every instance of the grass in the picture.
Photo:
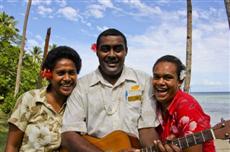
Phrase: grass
(3, 130)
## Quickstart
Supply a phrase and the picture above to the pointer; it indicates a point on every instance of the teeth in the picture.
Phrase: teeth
(161, 89)
(66, 85)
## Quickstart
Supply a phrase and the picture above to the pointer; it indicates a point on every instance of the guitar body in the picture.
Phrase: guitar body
(115, 141)
(120, 140)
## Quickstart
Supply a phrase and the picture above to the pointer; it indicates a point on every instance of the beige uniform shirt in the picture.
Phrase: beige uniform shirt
(97, 108)
(39, 122)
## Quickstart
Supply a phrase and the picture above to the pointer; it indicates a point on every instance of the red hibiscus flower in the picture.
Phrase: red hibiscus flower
(94, 47)
(46, 73)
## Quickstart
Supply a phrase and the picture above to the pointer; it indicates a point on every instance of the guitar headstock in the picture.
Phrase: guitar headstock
(222, 129)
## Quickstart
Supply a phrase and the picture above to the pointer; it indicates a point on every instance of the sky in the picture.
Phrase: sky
(153, 28)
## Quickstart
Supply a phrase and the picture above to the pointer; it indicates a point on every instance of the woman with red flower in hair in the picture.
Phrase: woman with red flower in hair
(35, 122)
(179, 113)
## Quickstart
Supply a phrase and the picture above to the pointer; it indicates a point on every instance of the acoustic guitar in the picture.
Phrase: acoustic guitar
(120, 140)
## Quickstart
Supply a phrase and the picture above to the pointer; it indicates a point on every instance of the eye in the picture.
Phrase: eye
(168, 77)
(105, 48)
(60, 73)
(72, 72)
(156, 77)
(118, 48)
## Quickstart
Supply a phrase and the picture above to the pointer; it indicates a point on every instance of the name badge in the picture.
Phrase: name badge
(134, 94)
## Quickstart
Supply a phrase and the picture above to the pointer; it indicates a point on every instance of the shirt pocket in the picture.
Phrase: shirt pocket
(134, 98)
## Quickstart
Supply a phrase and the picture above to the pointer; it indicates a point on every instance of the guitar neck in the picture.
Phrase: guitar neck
(187, 141)
(194, 139)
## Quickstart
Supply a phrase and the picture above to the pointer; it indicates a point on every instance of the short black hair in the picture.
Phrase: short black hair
(111, 32)
(173, 59)
(61, 52)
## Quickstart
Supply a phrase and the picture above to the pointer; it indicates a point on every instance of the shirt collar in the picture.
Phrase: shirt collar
(127, 74)
(173, 105)
(41, 96)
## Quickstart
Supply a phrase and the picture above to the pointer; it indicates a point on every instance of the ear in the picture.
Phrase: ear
(126, 51)
(97, 53)
(180, 83)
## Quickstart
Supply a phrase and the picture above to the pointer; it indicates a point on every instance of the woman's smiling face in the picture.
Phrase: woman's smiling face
(165, 82)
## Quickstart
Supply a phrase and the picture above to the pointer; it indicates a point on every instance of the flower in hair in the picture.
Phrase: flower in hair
(182, 74)
(94, 47)
(46, 73)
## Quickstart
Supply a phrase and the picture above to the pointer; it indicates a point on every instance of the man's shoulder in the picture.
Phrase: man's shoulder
(138, 73)
(87, 80)
(87, 76)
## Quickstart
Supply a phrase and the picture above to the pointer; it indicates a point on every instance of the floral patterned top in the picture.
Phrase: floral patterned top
(40, 123)
(184, 116)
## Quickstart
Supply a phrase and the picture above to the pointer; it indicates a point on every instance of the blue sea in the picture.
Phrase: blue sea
(216, 104)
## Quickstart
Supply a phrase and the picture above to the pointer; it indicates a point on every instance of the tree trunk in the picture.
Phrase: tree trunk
(39, 83)
(227, 5)
(19, 67)
(188, 47)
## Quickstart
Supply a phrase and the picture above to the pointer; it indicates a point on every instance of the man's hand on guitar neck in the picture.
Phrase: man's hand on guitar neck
(167, 147)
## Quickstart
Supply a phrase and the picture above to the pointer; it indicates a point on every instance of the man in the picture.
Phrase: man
(113, 97)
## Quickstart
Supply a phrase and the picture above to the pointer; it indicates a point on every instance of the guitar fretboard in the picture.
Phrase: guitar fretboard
(187, 141)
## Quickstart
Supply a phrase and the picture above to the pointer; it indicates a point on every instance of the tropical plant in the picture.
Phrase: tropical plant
(36, 54)
(9, 54)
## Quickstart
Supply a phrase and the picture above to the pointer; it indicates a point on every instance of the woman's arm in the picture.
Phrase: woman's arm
(14, 139)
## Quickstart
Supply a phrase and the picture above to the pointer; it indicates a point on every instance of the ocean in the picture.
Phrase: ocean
(216, 104)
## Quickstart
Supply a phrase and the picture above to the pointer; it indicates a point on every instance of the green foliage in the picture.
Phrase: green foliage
(9, 103)
(8, 31)
(9, 54)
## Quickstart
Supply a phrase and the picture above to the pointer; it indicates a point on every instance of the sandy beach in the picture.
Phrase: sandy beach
(222, 145)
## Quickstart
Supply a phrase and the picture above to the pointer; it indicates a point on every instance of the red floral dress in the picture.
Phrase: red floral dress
(184, 116)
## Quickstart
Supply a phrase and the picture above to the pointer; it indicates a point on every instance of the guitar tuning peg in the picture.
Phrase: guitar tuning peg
(222, 122)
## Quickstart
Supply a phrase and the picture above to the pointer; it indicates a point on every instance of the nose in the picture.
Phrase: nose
(161, 81)
(67, 77)
(111, 52)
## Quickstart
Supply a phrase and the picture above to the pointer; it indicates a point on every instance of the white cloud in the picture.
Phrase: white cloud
(38, 37)
(39, 2)
(96, 11)
(69, 13)
(212, 83)
(144, 10)
(102, 28)
(106, 3)
(42, 10)
(32, 42)
(61, 3)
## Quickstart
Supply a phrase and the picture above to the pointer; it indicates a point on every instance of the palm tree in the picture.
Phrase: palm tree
(8, 30)
(188, 47)
(18, 78)
(227, 5)
(53, 46)
(36, 54)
